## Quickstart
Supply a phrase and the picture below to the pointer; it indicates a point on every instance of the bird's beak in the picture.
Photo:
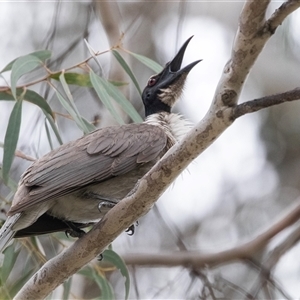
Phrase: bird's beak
(172, 71)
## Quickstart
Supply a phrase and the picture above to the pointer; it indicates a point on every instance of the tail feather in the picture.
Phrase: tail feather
(6, 231)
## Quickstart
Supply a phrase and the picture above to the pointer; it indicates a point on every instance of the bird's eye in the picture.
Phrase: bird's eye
(151, 81)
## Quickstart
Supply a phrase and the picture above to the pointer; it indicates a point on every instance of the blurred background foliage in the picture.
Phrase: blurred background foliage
(228, 195)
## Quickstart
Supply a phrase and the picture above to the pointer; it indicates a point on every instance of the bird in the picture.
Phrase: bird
(74, 185)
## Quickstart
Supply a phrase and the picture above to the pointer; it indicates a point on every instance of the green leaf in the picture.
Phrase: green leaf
(126, 68)
(104, 96)
(21, 66)
(112, 257)
(11, 139)
(74, 78)
(48, 135)
(118, 83)
(107, 292)
(90, 127)
(54, 128)
(42, 55)
(67, 287)
(69, 95)
(105, 287)
(121, 100)
(30, 96)
(71, 111)
(17, 285)
(87, 271)
(10, 258)
(9, 182)
(157, 68)
(35, 98)
(82, 79)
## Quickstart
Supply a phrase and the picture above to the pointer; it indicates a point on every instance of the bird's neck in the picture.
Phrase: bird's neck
(175, 126)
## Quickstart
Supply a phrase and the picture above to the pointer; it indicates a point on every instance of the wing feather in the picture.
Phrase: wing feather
(96, 157)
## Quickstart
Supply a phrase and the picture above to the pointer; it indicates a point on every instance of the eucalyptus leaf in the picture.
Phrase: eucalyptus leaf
(127, 69)
(107, 292)
(18, 284)
(21, 66)
(112, 257)
(9, 182)
(157, 68)
(11, 139)
(67, 288)
(42, 55)
(74, 78)
(70, 97)
(71, 111)
(104, 96)
(10, 257)
(121, 100)
(30, 96)
(54, 127)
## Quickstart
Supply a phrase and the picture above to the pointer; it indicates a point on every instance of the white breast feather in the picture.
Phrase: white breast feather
(175, 126)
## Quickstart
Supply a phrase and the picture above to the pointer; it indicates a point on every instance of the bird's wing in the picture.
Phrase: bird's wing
(96, 157)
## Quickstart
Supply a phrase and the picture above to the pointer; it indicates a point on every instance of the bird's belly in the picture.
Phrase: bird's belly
(83, 205)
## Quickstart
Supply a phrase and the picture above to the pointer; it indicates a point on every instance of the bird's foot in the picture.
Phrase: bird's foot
(131, 229)
(73, 231)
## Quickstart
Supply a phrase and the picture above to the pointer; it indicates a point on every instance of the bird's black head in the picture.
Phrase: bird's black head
(163, 89)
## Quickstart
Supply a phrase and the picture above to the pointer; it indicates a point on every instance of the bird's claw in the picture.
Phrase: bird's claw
(131, 229)
(74, 233)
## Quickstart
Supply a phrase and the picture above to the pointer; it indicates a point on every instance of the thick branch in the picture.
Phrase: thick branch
(264, 102)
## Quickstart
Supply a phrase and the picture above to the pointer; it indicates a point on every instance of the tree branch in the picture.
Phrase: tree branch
(264, 102)
(194, 259)
(281, 13)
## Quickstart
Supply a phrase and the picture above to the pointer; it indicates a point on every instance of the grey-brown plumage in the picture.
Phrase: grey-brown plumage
(75, 184)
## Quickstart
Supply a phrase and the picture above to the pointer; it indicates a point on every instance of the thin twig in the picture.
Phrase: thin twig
(264, 102)
(281, 13)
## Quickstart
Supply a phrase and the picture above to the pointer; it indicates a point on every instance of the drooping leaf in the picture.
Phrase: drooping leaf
(54, 127)
(48, 135)
(35, 98)
(126, 68)
(75, 78)
(89, 126)
(112, 257)
(70, 97)
(82, 79)
(11, 139)
(21, 66)
(121, 100)
(30, 96)
(104, 96)
(18, 284)
(67, 288)
(107, 292)
(9, 182)
(73, 114)
(157, 68)
(10, 257)
(42, 55)
(118, 83)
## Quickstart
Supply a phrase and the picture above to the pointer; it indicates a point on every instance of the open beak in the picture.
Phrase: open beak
(172, 71)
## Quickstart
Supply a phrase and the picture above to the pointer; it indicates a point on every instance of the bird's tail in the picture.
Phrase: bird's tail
(6, 231)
